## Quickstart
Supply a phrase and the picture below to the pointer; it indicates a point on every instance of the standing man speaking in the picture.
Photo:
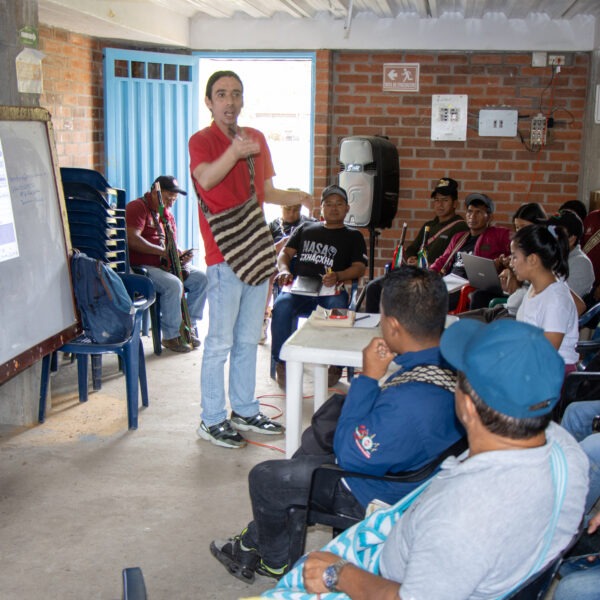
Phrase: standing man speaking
(232, 172)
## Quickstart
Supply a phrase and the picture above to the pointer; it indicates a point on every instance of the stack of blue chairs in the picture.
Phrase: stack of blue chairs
(96, 215)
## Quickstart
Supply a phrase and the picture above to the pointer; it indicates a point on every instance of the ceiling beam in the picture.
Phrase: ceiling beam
(212, 9)
(573, 9)
(430, 7)
(382, 9)
(296, 9)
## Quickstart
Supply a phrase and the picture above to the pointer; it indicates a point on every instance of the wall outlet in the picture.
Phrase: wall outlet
(498, 122)
(537, 136)
(556, 60)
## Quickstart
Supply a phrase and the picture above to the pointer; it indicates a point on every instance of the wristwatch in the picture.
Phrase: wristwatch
(331, 574)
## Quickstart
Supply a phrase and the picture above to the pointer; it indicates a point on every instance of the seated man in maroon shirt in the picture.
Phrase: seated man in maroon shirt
(482, 239)
(146, 239)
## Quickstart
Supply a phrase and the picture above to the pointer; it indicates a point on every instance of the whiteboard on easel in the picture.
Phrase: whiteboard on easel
(37, 307)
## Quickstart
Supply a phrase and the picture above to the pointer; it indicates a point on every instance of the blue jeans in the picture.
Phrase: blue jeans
(577, 420)
(578, 416)
(236, 312)
(170, 289)
(288, 307)
(581, 581)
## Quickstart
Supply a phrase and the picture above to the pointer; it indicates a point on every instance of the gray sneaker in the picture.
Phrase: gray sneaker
(222, 434)
(259, 423)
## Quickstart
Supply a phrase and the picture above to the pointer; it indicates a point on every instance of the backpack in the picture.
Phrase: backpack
(107, 312)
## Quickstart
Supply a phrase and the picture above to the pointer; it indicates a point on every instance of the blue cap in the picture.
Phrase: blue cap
(511, 365)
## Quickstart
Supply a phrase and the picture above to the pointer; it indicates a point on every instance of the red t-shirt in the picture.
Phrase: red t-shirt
(139, 216)
(205, 147)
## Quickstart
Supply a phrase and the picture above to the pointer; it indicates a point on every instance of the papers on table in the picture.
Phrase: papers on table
(309, 286)
(454, 282)
(366, 320)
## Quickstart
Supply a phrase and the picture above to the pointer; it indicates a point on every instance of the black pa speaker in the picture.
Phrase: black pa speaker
(370, 174)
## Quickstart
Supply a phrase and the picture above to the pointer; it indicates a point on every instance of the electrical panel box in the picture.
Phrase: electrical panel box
(537, 136)
(449, 117)
(539, 59)
(556, 60)
(498, 122)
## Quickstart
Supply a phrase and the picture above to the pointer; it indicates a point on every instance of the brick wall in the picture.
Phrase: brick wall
(499, 167)
(349, 101)
(72, 72)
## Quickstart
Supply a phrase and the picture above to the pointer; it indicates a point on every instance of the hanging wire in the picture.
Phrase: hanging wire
(279, 413)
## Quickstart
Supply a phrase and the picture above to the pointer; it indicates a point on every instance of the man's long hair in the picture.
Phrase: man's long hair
(418, 299)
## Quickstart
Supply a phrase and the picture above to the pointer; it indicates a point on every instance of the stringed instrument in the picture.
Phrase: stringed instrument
(186, 330)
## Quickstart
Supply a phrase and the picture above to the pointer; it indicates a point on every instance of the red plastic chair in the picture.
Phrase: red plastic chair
(463, 300)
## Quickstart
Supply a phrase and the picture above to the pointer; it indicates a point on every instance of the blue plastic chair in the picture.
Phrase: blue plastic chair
(536, 586)
(94, 179)
(152, 318)
(589, 315)
(130, 351)
(134, 587)
(152, 315)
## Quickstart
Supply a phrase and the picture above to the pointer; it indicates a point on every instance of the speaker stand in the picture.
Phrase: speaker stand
(373, 235)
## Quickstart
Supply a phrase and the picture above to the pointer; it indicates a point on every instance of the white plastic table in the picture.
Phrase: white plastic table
(319, 347)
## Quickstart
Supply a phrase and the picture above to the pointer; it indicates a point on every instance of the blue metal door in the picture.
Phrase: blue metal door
(151, 110)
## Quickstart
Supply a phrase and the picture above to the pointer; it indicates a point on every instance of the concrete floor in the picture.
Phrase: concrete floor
(81, 497)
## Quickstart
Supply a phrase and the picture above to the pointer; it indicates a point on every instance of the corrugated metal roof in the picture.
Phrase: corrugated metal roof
(308, 9)
(170, 21)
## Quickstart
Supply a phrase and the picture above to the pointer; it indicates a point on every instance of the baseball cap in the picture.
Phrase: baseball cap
(168, 183)
(511, 365)
(489, 203)
(446, 187)
(570, 221)
(334, 189)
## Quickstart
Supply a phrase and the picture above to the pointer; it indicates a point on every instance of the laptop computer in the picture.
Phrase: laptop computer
(481, 273)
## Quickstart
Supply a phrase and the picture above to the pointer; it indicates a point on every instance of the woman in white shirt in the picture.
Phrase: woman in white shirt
(539, 255)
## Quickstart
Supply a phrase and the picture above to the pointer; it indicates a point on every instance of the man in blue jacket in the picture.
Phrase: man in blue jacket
(400, 425)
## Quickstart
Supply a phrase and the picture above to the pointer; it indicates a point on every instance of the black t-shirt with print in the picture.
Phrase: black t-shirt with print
(318, 249)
